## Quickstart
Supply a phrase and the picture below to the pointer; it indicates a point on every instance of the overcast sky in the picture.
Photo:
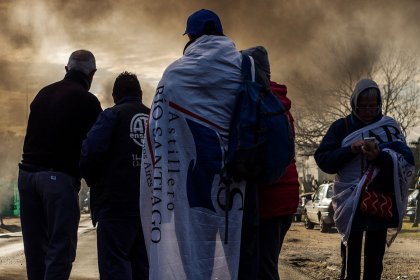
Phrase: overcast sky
(144, 37)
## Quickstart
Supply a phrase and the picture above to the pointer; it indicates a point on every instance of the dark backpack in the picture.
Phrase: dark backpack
(261, 142)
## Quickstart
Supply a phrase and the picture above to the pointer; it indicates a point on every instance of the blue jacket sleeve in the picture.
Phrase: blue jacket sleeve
(330, 156)
(96, 145)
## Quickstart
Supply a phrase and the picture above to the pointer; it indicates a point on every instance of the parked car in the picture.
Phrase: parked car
(411, 205)
(85, 203)
(319, 210)
(303, 198)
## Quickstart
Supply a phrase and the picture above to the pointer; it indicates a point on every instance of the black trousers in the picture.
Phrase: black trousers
(249, 255)
(272, 233)
(121, 249)
(49, 214)
(374, 250)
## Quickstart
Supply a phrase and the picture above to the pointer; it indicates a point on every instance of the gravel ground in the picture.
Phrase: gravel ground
(317, 254)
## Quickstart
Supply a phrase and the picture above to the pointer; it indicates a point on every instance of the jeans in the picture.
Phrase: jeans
(121, 249)
(272, 233)
(374, 251)
(49, 213)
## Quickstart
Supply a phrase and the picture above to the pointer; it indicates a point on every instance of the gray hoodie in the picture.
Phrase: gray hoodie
(361, 86)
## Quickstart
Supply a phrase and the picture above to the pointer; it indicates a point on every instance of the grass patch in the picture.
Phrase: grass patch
(408, 230)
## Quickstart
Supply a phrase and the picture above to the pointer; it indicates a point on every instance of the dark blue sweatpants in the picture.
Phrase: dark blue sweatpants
(49, 213)
(122, 252)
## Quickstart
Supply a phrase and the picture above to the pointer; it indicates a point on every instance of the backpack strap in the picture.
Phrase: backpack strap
(368, 178)
(248, 68)
(248, 73)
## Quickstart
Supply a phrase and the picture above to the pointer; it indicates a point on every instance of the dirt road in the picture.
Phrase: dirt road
(12, 259)
(307, 254)
(317, 254)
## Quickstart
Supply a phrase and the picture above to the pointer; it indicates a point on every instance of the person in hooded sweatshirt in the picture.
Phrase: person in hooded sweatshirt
(346, 151)
(110, 164)
(277, 202)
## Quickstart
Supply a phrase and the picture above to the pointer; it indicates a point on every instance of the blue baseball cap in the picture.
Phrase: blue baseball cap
(196, 23)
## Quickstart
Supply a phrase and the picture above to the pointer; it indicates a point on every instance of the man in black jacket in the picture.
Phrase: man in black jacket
(49, 178)
(110, 163)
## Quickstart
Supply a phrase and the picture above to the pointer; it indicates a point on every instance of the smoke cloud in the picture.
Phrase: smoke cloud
(145, 36)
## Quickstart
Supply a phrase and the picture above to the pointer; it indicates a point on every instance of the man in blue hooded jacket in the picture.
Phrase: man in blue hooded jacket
(110, 163)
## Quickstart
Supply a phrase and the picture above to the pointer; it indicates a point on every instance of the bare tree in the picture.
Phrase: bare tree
(1, 220)
(310, 127)
(396, 74)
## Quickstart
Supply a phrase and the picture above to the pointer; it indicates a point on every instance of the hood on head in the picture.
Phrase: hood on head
(360, 87)
(260, 56)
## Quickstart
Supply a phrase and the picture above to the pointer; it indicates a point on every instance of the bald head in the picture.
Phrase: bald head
(83, 61)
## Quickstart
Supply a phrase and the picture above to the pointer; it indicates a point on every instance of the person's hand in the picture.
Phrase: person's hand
(370, 150)
(356, 146)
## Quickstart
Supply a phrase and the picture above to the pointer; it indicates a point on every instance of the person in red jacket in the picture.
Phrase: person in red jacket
(278, 201)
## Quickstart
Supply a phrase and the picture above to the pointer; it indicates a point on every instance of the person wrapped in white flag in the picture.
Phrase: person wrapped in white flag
(182, 190)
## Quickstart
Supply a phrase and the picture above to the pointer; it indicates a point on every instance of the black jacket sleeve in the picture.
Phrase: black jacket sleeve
(96, 145)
